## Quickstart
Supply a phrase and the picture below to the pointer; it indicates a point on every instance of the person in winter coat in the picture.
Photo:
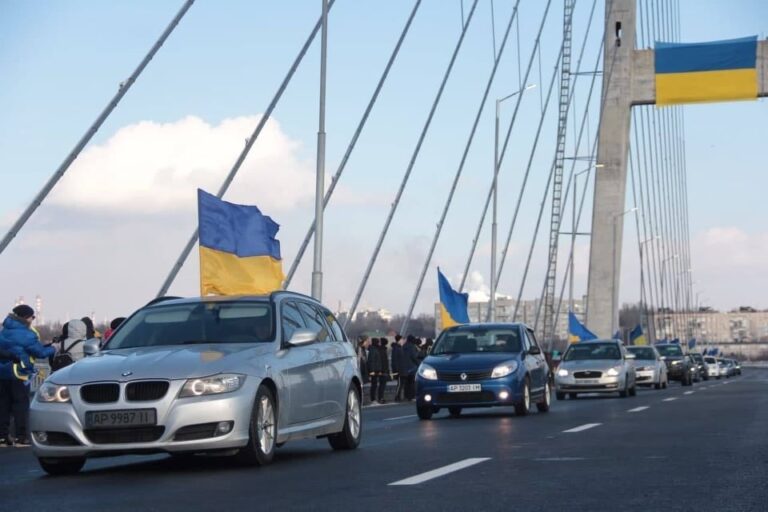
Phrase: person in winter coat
(362, 357)
(397, 351)
(77, 332)
(113, 325)
(410, 363)
(384, 375)
(374, 367)
(21, 340)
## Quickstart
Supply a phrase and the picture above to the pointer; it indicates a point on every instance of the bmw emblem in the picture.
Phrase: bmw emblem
(463, 376)
(126, 374)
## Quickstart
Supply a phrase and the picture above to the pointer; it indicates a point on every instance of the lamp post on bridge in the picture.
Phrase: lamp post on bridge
(615, 312)
(663, 274)
(652, 321)
(499, 101)
(574, 233)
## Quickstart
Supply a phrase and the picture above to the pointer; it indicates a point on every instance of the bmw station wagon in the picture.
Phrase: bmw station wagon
(483, 365)
(230, 375)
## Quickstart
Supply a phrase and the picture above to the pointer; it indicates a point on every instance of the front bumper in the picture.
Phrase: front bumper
(646, 377)
(500, 392)
(172, 415)
(604, 384)
(676, 372)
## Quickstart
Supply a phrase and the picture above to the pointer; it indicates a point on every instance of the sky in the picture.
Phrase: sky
(109, 233)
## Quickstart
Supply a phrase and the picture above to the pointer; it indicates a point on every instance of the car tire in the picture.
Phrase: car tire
(665, 385)
(455, 412)
(61, 466)
(658, 384)
(559, 395)
(573, 396)
(349, 437)
(523, 407)
(624, 393)
(424, 412)
(543, 406)
(633, 390)
(262, 431)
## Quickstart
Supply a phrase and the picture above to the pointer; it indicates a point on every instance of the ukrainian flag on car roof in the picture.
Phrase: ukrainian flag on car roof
(637, 337)
(239, 253)
(453, 305)
(706, 72)
(577, 331)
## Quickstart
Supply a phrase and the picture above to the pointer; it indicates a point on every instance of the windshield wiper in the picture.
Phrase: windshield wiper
(195, 342)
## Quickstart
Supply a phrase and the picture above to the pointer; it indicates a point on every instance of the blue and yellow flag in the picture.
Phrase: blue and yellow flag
(637, 337)
(239, 253)
(706, 72)
(577, 331)
(453, 305)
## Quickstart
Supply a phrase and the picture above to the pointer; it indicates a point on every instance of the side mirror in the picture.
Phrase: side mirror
(302, 337)
(631, 356)
(534, 351)
(91, 347)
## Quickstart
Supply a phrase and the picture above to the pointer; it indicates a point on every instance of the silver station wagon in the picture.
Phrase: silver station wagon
(229, 375)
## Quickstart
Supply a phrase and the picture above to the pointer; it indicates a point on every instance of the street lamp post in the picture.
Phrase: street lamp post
(492, 312)
(615, 296)
(573, 232)
(663, 275)
(644, 307)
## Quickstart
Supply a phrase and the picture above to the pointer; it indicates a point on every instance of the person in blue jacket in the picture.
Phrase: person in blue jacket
(19, 339)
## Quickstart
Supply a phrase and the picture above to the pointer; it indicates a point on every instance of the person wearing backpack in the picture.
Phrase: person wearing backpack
(71, 349)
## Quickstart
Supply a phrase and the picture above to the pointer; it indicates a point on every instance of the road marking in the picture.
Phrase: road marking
(400, 417)
(436, 473)
(669, 399)
(559, 459)
(688, 393)
(638, 409)
(582, 428)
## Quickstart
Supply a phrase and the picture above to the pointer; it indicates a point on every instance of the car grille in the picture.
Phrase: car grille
(588, 375)
(100, 393)
(192, 432)
(145, 391)
(61, 439)
(471, 376)
(468, 397)
(124, 435)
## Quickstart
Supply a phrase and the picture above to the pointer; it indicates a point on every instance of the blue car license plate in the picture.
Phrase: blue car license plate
(120, 418)
(462, 388)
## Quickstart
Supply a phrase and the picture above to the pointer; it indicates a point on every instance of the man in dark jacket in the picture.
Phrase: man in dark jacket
(374, 367)
(397, 351)
(18, 338)
(409, 365)
(384, 375)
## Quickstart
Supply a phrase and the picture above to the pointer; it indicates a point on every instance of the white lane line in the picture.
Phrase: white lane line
(582, 428)
(559, 459)
(688, 393)
(400, 417)
(669, 399)
(436, 473)
(638, 409)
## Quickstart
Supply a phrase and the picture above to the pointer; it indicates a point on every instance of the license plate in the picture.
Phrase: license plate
(459, 388)
(589, 381)
(120, 418)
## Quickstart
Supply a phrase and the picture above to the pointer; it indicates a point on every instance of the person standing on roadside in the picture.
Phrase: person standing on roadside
(20, 339)
(362, 357)
(384, 375)
(410, 365)
(397, 352)
(374, 367)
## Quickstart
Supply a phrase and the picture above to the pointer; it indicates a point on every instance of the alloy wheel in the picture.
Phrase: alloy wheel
(353, 413)
(265, 425)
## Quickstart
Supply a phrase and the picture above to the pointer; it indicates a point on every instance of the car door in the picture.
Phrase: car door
(300, 368)
(322, 371)
(535, 362)
(340, 356)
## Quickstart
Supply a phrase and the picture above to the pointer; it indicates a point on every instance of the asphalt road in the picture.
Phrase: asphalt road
(682, 449)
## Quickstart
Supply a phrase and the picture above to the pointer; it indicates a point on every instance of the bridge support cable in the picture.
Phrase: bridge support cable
(412, 162)
(244, 153)
(484, 213)
(557, 185)
(457, 176)
(86, 138)
(352, 142)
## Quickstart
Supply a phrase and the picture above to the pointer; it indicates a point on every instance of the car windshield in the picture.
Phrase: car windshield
(469, 341)
(591, 351)
(669, 350)
(644, 353)
(710, 360)
(196, 323)
(698, 358)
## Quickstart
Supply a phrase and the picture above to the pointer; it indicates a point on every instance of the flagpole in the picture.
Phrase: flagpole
(317, 271)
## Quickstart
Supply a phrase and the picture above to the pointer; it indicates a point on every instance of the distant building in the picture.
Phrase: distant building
(745, 325)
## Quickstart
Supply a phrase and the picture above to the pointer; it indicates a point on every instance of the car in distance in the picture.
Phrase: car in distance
(702, 365)
(678, 366)
(232, 375)
(483, 365)
(736, 366)
(650, 370)
(596, 366)
(694, 368)
(713, 370)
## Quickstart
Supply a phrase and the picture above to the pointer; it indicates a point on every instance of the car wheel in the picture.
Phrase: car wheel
(262, 431)
(349, 437)
(424, 412)
(633, 390)
(658, 384)
(524, 406)
(665, 384)
(573, 396)
(624, 393)
(543, 406)
(559, 395)
(455, 412)
(61, 466)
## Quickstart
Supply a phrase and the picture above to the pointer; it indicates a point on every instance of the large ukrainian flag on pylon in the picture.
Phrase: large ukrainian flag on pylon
(453, 305)
(239, 253)
(706, 72)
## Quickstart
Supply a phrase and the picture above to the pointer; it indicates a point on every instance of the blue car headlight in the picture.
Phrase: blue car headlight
(427, 372)
(504, 369)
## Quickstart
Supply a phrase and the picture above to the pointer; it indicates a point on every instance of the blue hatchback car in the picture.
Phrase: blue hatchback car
(483, 365)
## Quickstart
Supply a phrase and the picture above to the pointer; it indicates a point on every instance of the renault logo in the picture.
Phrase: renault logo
(126, 374)
(463, 376)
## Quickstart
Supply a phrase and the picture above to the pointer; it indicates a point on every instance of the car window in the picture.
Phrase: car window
(336, 330)
(315, 321)
(670, 350)
(643, 353)
(526, 343)
(291, 320)
(532, 338)
(592, 351)
(468, 341)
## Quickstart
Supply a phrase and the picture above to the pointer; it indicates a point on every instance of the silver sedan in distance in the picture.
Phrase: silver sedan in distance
(650, 370)
(227, 375)
(595, 366)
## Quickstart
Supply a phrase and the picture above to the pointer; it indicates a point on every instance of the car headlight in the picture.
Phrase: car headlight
(216, 385)
(562, 372)
(53, 393)
(612, 372)
(427, 372)
(675, 363)
(504, 369)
